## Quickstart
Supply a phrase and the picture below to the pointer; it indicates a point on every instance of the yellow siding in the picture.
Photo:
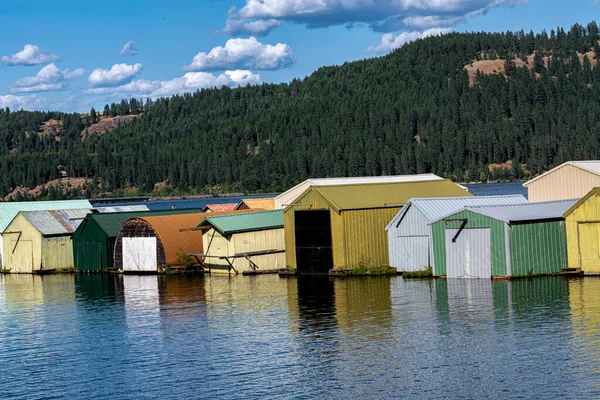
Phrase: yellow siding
(57, 252)
(22, 247)
(358, 237)
(366, 242)
(271, 239)
(565, 183)
(583, 236)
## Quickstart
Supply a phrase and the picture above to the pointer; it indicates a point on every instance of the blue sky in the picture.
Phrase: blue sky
(71, 55)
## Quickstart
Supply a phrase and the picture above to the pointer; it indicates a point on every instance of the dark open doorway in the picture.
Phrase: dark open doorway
(313, 241)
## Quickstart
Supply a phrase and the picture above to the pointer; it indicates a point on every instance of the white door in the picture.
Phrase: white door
(411, 253)
(469, 256)
(139, 254)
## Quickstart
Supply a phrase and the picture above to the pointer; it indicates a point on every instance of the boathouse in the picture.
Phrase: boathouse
(501, 241)
(95, 238)
(9, 210)
(267, 203)
(570, 180)
(252, 241)
(409, 233)
(286, 198)
(147, 244)
(39, 241)
(583, 233)
(342, 227)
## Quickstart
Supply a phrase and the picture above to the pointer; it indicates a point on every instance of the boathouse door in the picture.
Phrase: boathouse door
(589, 247)
(314, 253)
(139, 254)
(468, 253)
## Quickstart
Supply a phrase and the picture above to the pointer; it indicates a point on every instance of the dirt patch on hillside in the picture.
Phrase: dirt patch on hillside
(63, 185)
(488, 67)
(108, 123)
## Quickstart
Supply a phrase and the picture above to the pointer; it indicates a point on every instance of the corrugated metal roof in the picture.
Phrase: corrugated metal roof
(220, 207)
(435, 208)
(247, 222)
(379, 195)
(291, 194)
(122, 209)
(59, 222)
(111, 223)
(592, 166)
(9, 210)
(524, 212)
(258, 204)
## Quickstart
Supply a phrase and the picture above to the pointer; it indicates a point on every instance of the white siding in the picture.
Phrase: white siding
(139, 254)
(408, 242)
(471, 255)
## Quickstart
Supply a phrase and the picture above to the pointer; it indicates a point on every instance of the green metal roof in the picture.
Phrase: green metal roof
(111, 223)
(245, 222)
(380, 195)
(9, 210)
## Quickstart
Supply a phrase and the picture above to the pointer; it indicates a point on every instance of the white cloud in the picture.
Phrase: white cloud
(390, 42)
(235, 26)
(129, 49)
(30, 55)
(243, 54)
(119, 74)
(48, 78)
(32, 102)
(380, 15)
(189, 82)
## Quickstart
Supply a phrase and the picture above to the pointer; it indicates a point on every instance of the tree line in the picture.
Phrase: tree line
(414, 110)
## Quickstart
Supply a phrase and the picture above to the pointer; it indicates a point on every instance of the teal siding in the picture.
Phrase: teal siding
(474, 221)
(538, 248)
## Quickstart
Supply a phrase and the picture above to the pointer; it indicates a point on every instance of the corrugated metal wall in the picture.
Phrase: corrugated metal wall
(286, 198)
(565, 183)
(582, 236)
(270, 239)
(408, 244)
(499, 267)
(365, 238)
(91, 250)
(538, 248)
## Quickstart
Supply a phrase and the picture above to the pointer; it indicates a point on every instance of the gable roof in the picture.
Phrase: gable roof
(9, 210)
(59, 222)
(382, 195)
(522, 212)
(254, 204)
(216, 207)
(594, 191)
(435, 208)
(247, 222)
(291, 194)
(592, 166)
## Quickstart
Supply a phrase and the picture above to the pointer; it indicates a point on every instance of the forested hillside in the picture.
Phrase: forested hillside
(414, 110)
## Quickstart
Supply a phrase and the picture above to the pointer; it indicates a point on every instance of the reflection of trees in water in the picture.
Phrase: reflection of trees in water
(99, 288)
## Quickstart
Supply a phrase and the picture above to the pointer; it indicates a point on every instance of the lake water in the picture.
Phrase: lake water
(132, 337)
(494, 189)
